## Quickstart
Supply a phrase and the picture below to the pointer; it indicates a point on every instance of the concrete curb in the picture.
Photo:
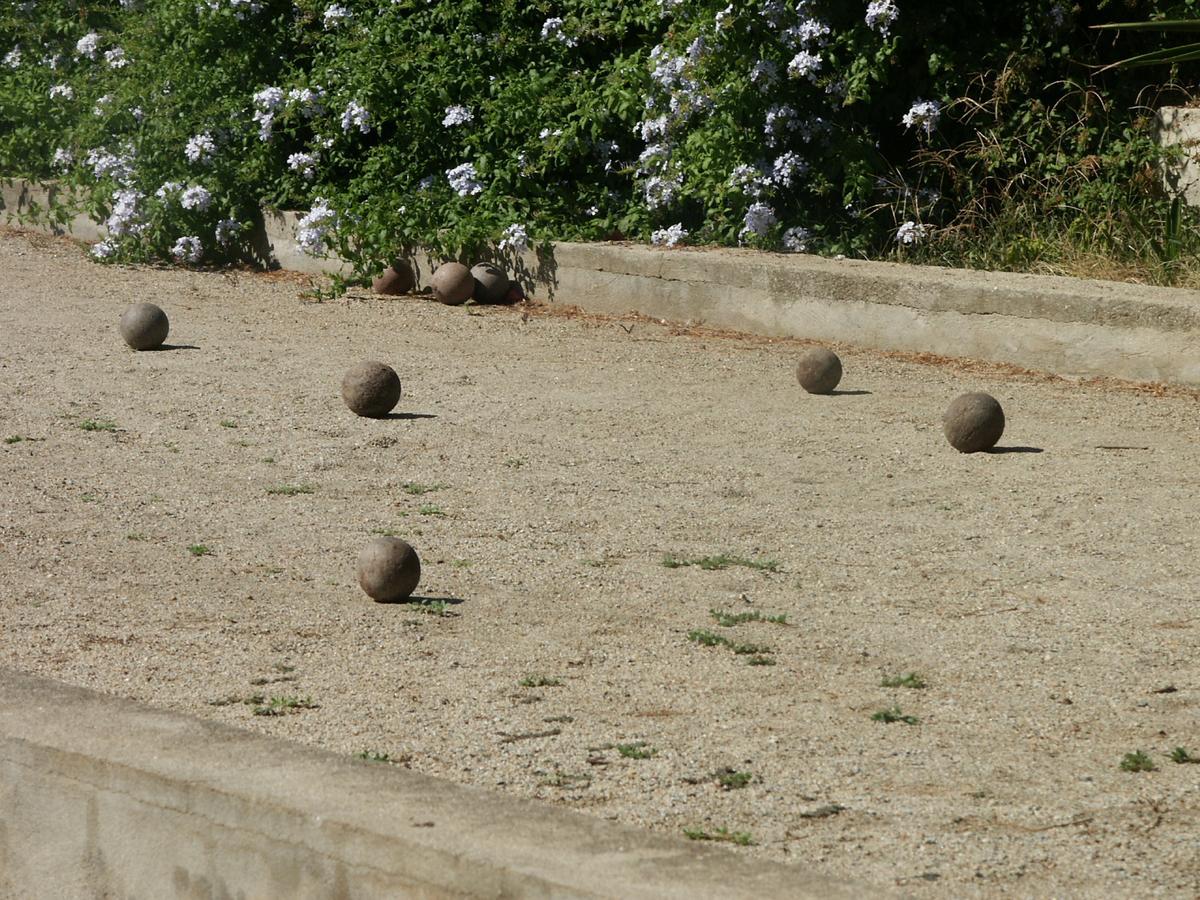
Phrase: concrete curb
(1068, 326)
(106, 797)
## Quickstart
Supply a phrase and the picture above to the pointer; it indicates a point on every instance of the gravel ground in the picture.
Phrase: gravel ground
(1048, 600)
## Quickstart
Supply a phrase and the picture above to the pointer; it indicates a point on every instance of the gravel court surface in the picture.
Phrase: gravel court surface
(1048, 599)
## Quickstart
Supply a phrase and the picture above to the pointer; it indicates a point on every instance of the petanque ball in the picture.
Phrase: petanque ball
(973, 422)
(453, 283)
(144, 326)
(515, 293)
(398, 278)
(491, 283)
(819, 370)
(371, 389)
(388, 569)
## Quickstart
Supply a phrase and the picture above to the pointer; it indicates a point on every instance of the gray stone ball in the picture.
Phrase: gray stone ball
(491, 283)
(973, 422)
(371, 389)
(398, 278)
(819, 370)
(388, 569)
(453, 283)
(144, 326)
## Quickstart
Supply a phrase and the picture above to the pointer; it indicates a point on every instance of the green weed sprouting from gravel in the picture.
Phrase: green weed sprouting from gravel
(911, 680)
(740, 838)
(731, 620)
(720, 561)
(199, 550)
(14, 439)
(1137, 762)
(732, 780)
(280, 706)
(228, 423)
(893, 714)
(756, 652)
(706, 638)
(372, 756)
(514, 462)
(439, 608)
(290, 490)
(536, 681)
(430, 510)
(760, 660)
(635, 750)
(417, 489)
(98, 425)
(1180, 755)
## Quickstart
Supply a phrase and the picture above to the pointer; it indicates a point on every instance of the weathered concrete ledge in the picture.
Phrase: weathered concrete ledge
(101, 797)
(1068, 326)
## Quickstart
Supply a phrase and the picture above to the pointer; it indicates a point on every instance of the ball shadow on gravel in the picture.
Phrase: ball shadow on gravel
(161, 347)
(406, 415)
(1014, 450)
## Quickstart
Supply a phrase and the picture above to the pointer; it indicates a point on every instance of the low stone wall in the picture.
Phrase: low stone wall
(101, 797)
(1068, 326)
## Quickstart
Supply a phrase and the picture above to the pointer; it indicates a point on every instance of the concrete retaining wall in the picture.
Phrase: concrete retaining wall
(101, 797)
(1067, 326)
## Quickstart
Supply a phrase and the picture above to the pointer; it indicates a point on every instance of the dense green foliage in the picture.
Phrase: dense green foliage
(840, 127)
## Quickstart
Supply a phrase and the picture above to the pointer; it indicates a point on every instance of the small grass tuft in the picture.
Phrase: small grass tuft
(439, 608)
(430, 510)
(136, 536)
(199, 550)
(290, 490)
(760, 661)
(911, 680)
(720, 561)
(740, 838)
(536, 681)
(280, 706)
(372, 756)
(732, 780)
(893, 714)
(636, 750)
(1137, 762)
(514, 462)
(730, 620)
(13, 439)
(1180, 755)
(417, 489)
(98, 425)
(228, 423)
(706, 638)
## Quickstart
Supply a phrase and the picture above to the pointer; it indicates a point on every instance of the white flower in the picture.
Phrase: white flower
(760, 218)
(105, 164)
(722, 19)
(669, 237)
(126, 217)
(308, 99)
(62, 158)
(660, 190)
(552, 29)
(188, 249)
(269, 99)
(795, 240)
(764, 73)
(779, 118)
(356, 116)
(464, 181)
(87, 45)
(912, 233)
(226, 231)
(304, 163)
(804, 65)
(62, 90)
(103, 250)
(749, 180)
(201, 148)
(546, 133)
(457, 115)
(168, 189)
(115, 58)
(195, 197)
(312, 231)
(666, 7)
(924, 114)
(786, 167)
(881, 14)
(336, 14)
(592, 211)
(12, 59)
(102, 104)
(139, 114)
(515, 238)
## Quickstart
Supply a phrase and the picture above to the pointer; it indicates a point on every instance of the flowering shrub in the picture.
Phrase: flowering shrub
(838, 126)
